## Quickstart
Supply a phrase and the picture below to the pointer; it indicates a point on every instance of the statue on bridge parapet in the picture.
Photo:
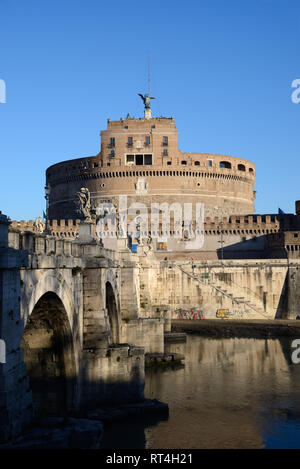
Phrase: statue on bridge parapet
(138, 233)
(84, 203)
(38, 225)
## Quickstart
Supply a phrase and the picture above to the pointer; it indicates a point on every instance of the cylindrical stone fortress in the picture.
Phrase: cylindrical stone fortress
(140, 158)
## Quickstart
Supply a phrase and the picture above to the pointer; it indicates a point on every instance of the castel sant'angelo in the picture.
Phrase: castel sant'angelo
(140, 158)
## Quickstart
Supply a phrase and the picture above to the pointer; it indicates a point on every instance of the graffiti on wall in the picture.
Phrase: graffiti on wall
(226, 314)
(190, 314)
(222, 314)
(199, 314)
(238, 314)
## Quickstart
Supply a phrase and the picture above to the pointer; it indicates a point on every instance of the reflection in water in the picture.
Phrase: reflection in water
(232, 393)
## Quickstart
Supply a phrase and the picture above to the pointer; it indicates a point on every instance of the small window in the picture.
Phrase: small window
(96, 165)
(148, 159)
(112, 142)
(210, 163)
(139, 160)
(225, 164)
(165, 152)
(197, 163)
(169, 163)
(147, 140)
(250, 170)
(112, 154)
(183, 162)
(165, 141)
(130, 141)
(295, 235)
(241, 167)
(129, 159)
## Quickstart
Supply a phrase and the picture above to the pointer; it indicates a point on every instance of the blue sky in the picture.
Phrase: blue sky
(223, 69)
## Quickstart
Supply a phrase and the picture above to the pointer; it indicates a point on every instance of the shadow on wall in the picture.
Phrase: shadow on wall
(258, 247)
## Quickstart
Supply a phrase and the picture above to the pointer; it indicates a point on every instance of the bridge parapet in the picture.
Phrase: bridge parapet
(42, 244)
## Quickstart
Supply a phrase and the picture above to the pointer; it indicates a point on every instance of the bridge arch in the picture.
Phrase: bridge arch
(52, 290)
(49, 356)
(35, 285)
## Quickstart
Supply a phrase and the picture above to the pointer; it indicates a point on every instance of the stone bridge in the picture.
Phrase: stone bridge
(70, 318)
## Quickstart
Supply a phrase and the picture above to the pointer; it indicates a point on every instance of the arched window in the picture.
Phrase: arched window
(197, 163)
(183, 162)
(241, 167)
(251, 170)
(225, 164)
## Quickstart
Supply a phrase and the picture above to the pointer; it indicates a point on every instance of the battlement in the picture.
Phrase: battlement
(234, 224)
(59, 228)
(243, 224)
(142, 123)
(66, 228)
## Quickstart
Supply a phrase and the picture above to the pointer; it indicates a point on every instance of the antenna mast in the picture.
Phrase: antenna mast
(149, 75)
(146, 97)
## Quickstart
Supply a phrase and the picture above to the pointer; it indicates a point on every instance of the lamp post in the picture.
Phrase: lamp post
(47, 197)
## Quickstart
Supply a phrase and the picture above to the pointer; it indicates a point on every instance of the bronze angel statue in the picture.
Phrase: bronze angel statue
(146, 100)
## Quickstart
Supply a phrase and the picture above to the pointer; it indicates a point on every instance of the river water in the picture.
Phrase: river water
(230, 393)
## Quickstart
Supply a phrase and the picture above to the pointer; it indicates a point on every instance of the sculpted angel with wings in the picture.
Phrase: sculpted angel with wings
(84, 203)
(146, 100)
